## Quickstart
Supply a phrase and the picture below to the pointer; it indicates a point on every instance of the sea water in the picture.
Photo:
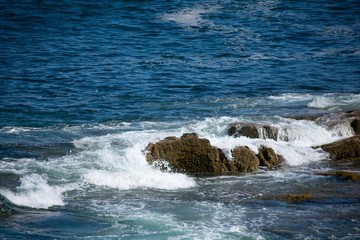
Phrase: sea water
(86, 86)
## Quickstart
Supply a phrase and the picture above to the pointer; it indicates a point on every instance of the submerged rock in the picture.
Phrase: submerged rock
(253, 130)
(294, 198)
(244, 160)
(269, 158)
(187, 154)
(346, 149)
(350, 176)
(290, 198)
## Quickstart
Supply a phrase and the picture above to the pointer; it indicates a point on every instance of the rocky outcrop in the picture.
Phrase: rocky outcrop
(269, 158)
(188, 154)
(194, 155)
(253, 130)
(346, 149)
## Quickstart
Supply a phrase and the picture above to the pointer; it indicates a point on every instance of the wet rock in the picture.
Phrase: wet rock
(253, 130)
(290, 198)
(346, 149)
(350, 176)
(244, 160)
(294, 198)
(306, 117)
(187, 154)
(355, 125)
(269, 158)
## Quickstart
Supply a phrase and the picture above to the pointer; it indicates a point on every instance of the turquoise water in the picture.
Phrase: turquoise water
(86, 85)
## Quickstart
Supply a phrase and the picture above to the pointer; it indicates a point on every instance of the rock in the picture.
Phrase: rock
(244, 160)
(293, 198)
(269, 158)
(351, 176)
(346, 149)
(253, 130)
(188, 154)
(355, 125)
(306, 117)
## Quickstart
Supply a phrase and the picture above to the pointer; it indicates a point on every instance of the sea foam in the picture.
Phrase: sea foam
(35, 192)
(189, 17)
(127, 168)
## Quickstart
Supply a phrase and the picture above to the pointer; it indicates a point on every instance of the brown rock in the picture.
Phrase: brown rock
(269, 158)
(346, 149)
(294, 198)
(244, 160)
(253, 130)
(188, 154)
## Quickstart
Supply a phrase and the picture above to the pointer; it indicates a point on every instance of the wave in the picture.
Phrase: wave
(35, 192)
(112, 155)
(328, 101)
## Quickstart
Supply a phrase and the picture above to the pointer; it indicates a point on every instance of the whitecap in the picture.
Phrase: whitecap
(35, 192)
(188, 17)
(335, 101)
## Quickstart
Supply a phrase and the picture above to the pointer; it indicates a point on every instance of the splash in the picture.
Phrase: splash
(35, 192)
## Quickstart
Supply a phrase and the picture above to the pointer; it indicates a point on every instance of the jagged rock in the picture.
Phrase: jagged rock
(269, 158)
(253, 130)
(345, 149)
(187, 154)
(244, 160)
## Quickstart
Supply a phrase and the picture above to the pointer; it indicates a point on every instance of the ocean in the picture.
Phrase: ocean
(87, 85)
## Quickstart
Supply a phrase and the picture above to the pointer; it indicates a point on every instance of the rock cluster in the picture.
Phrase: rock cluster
(194, 155)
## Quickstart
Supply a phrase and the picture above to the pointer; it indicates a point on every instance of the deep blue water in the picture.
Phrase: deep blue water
(74, 62)
(86, 85)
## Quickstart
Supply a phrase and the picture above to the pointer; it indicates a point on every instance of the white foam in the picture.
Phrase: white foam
(35, 192)
(322, 102)
(290, 97)
(188, 17)
(328, 101)
(295, 143)
(10, 129)
(128, 169)
(335, 101)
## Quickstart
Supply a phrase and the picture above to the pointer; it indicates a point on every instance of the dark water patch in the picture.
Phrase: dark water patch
(39, 152)
(51, 224)
(9, 180)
